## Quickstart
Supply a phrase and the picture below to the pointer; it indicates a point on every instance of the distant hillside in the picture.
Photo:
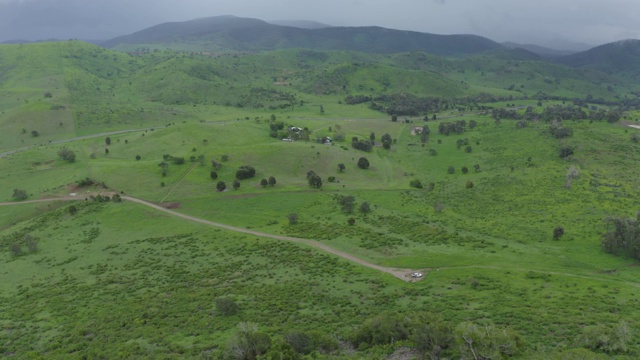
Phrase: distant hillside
(618, 57)
(539, 50)
(228, 33)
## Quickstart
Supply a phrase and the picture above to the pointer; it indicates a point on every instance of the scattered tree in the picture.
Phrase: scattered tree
(451, 170)
(341, 167)
(476, 167)
(226, 306)
(346, 203)
(272, 181)
(469, 184)
(635, 137)
(365, 208)
(315, 181)
(293, 218)
(34, 133)
(106, 151)
(72, 210)
(464, 170)
(416, 184)
(363, 163)
(264, 182)
(213, 175)
(424, 134)
(19, 194)
(247, 343)
(221, 186)
(610, 340)
(67, 155)
(107, 141)
(236, 184)
(487, 342)
(558, 231)
(138, 157)
(566, 151)
(572, 173)
(386, 141)
(15, 248)
(31, 242)
(351, 221)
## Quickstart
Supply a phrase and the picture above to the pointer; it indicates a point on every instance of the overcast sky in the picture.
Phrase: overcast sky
(591, 22)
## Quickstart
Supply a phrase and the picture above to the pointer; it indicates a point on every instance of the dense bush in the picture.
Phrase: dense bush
(245, 172)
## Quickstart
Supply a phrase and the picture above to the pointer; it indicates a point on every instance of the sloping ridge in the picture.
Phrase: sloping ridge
(243, 34)
(614, 57)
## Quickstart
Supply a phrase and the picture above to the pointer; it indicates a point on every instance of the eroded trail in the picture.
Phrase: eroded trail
(402, 274)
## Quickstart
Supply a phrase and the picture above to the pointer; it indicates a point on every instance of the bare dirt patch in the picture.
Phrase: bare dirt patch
(171, 205)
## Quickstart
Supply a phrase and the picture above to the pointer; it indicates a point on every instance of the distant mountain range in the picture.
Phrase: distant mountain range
(241, 34)
(230, 33)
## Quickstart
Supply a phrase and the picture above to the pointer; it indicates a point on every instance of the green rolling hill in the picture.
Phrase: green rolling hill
(501, 205)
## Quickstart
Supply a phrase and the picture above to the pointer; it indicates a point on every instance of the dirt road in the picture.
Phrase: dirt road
(402, 274)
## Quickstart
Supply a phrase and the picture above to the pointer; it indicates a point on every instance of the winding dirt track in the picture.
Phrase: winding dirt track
(402, 274)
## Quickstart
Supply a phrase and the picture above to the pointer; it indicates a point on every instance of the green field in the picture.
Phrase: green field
(92, 279)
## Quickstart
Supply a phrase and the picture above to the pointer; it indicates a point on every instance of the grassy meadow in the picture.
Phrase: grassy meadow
(121, 280)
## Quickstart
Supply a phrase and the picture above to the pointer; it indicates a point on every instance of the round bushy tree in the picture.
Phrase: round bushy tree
(363, 163)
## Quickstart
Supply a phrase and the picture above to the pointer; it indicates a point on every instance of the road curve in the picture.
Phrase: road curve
(402, 274)
(83, 137)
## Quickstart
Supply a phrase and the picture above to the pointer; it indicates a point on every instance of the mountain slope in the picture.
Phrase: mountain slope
(228, 33)
(617, 57)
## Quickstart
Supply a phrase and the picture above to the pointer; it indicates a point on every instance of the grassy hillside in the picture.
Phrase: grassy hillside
(113, 279)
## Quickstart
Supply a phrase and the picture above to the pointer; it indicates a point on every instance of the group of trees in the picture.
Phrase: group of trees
(347, 204)
(622, 236)
(271, 181)
(315, 181)
(432, 336)
(245, 172)
(456, 127)
(386, 141)
(280, 130)
(436, 338)
(363, 145)
(27, 240)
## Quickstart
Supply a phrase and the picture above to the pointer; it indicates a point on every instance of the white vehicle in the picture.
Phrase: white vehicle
(416, 275)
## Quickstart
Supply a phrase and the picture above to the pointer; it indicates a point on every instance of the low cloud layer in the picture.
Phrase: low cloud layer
(543, 21)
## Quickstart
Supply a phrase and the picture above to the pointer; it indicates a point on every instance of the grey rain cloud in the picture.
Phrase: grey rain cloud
(543, 21)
